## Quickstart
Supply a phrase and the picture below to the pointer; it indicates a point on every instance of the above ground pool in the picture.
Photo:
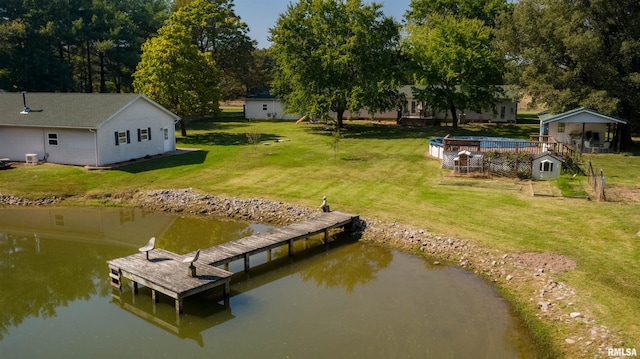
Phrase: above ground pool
(436, 145)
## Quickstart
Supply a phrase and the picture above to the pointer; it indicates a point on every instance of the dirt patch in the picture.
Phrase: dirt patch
(548, 262)
(622, 194)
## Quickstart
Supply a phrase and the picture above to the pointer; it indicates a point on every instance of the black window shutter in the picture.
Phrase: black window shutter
(128, 137)
(139, 136)
(117, 143)
(149, 133)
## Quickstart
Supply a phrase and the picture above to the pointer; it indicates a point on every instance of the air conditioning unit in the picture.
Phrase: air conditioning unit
(31, 158)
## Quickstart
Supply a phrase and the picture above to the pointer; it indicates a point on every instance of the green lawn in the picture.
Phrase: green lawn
(378, 170)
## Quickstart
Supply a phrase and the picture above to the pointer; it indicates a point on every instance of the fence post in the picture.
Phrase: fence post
(602, 195)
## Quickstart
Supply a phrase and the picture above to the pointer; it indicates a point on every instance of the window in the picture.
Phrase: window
(546, 166)
(122, 137)
(503, 112)
(144, 134)
(165, 131)
(265, 107)
(561, 127)
(413, 107)
(53, 139)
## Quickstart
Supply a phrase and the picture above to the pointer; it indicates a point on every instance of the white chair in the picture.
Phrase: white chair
(606, 146)
(586, 146)
(191, 260)
(148, 247)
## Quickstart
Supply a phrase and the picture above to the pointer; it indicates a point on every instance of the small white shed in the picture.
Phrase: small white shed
(85, 129)
(261, 104)
(546, 166)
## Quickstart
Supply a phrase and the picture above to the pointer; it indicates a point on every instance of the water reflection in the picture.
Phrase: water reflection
(50, 257)
(349, 269)
(344, 300)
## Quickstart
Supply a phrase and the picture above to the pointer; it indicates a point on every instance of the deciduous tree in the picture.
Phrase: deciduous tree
(174, 73)
(335, 55)
(576, 53)
(454, 65)
(215, 28)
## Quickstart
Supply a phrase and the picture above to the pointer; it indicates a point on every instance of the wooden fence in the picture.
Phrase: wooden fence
(597, 182)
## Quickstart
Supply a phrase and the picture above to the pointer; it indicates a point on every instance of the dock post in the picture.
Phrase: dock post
(135, 287)
(246, 262)
(178, 306)
(326, 236)
(226, 293)
(291, 248)
(153, 296)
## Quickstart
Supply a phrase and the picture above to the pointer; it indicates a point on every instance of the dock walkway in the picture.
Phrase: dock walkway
(166, 273)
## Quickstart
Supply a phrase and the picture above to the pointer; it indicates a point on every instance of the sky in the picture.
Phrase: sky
(261, 15)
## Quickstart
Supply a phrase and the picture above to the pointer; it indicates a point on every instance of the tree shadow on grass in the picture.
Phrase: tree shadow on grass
(223, 139)
(166, 161)
(369, 130)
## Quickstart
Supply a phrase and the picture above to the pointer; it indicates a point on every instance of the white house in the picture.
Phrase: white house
(505, 110)
(583, 129)
(263, 105)
(83, 128)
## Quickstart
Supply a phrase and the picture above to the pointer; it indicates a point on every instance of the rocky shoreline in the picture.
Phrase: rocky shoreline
(553, 302)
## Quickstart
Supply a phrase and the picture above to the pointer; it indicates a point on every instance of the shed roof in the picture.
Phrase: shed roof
(580, 115)
(65, 110)
(260, 94)
(547, 154)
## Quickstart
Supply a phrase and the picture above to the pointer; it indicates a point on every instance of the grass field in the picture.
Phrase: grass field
(378, 170)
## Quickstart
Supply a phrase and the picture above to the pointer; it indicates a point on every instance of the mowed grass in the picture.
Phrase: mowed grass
(378, 170)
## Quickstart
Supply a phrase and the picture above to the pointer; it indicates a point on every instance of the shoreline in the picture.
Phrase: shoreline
(559, 323)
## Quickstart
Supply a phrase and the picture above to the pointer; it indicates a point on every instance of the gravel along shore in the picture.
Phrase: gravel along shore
(518, 273)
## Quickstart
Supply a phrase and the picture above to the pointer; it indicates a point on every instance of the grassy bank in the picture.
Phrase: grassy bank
(380, 171)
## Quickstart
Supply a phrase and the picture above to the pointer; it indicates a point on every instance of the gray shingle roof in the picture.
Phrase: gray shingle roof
(547, 118)
(70, 110)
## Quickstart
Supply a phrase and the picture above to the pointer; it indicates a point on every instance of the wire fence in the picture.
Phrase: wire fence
(597, 182)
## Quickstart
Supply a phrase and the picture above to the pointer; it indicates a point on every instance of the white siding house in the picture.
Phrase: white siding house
(263, 105)
(583, 129)
(84, 129)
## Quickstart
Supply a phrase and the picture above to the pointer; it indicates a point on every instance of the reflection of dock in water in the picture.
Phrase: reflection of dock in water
(166, 273)
(202, 316)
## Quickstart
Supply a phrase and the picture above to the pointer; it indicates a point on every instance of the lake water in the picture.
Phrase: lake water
(345, 300)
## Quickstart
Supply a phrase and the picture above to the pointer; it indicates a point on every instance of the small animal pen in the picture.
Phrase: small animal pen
(499, 156)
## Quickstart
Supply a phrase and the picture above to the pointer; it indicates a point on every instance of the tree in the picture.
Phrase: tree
(576, 53)
(175, 74)
(454, 63)
(485, 10)
(80, 45)
(335, 56)
(215, 28)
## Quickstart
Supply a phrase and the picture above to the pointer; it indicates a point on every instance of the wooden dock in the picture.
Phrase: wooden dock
(166, 273)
